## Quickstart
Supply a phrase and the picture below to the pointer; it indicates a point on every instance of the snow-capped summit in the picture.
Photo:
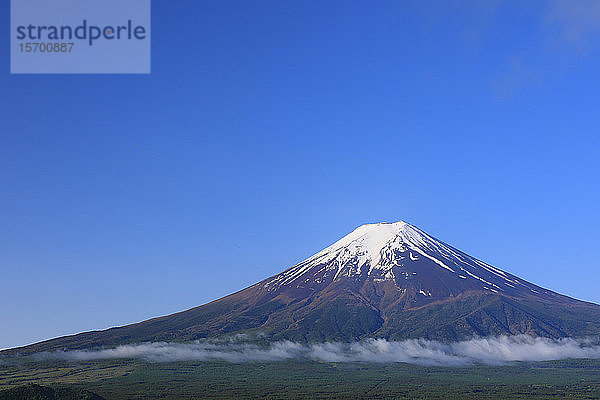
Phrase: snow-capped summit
(369, 240)
(403, 255)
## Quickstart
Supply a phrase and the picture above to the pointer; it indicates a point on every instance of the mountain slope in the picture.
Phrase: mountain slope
(381, 280)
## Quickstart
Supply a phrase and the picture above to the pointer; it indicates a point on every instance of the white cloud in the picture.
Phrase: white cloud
(578, 21)
(493, 351)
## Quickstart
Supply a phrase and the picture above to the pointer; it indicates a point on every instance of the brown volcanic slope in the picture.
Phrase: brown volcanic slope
(381, 280)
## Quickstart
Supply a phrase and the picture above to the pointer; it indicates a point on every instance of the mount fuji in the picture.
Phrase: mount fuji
(388, 280)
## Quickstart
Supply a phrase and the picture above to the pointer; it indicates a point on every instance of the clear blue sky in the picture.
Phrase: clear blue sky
(269, 129)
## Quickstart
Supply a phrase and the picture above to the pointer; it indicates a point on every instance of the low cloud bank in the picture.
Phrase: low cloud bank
(492, 351)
